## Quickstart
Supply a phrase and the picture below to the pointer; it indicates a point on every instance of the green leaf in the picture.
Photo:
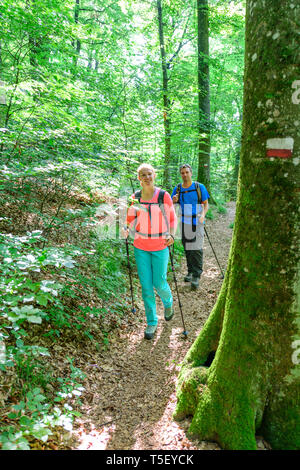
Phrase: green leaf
(25, 421)
(9, 446)
(34, 319)
(39, 432)
(20, 406)
(69, 264)
(23, 445)
(42, 299)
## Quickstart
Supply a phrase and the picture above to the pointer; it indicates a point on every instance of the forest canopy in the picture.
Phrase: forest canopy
(83, 88)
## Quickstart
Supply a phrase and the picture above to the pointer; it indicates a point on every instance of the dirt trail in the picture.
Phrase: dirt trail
(130, 389)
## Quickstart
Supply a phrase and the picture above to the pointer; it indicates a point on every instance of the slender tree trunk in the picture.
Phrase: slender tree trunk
(253, 383)
(203, 94)
(233, 178)
(125, 143)
(228, 174)
(32, 41)
(237, 152)
(3, 110)
(8, 102)
(77, 43)
(166, 100)
(39, 53)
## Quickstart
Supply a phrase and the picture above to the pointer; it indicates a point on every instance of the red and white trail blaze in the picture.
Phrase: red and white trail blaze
(280, 147)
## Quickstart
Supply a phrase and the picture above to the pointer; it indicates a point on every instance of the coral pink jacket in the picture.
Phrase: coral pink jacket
(149, 222)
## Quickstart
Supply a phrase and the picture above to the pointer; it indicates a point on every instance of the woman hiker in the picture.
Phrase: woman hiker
(154, 223)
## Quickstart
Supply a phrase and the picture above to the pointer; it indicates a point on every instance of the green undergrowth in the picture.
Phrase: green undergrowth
(218, 208)
(53, 298)
(63, 289)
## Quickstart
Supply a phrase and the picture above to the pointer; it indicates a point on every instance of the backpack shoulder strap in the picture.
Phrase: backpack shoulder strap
(178, 189)
(160, 201)
(161, 196)
(137, 195)
(198, 189)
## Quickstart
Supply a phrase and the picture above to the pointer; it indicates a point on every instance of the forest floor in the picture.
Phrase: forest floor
(129, 393)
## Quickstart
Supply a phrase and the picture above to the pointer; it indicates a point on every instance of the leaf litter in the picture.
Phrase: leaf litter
(130, 388)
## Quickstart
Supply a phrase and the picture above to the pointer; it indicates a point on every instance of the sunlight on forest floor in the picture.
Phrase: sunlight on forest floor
(212, 273)
(95, 439)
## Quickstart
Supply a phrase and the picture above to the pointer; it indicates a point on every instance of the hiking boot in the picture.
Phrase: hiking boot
(195, 283)
(150, 331)
(169, 312)
(188, 278)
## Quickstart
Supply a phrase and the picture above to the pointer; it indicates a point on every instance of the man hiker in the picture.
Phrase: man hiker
(193, 200)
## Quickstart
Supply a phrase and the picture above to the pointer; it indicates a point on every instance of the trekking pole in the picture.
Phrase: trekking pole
(222, 277)
(185, 333)
(130, 277)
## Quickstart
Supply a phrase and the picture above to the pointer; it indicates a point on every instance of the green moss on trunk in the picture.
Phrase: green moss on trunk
(253, 383)
(281, 423)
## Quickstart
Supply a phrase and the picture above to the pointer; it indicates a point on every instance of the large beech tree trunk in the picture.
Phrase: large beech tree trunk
(253, 384)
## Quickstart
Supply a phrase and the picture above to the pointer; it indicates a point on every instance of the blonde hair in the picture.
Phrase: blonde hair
(145, 166)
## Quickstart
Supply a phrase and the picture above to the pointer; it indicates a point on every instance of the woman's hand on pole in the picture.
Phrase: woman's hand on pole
(169, 240)
(125, 232)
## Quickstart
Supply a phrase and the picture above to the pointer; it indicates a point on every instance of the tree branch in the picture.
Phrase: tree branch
(181, 44)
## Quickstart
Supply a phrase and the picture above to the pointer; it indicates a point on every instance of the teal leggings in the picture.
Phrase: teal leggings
(152, 270)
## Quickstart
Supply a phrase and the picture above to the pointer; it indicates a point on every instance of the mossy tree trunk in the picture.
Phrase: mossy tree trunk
(252, 385)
